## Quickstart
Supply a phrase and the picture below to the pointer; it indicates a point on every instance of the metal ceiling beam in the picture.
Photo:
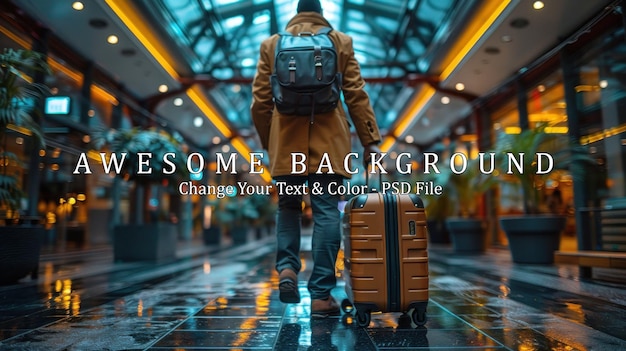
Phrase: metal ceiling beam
(410, 80)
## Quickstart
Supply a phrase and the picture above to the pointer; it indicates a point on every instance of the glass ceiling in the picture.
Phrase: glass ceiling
(220, 39)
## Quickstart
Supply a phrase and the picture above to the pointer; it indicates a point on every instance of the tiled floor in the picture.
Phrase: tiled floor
(226, 299)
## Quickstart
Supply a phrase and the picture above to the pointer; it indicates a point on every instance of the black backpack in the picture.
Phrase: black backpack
(305, 80)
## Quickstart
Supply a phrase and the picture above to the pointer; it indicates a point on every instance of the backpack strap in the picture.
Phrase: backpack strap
(324, 30)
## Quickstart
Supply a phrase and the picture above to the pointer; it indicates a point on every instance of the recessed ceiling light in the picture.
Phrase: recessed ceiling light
(198, 121)
(538, 5)
(112, 39)
(492, 50)
(78, 6)
(163, 88)
(519, 23)
(178, 102)
(541, 88)
(445, 100)
(409, 139)
(459, 86)
(128, 52)
(506, 39)
(98, 23)
(216, 140)
(603, 83)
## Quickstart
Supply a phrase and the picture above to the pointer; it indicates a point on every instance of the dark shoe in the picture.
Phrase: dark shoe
(322, 308)
(288, 286)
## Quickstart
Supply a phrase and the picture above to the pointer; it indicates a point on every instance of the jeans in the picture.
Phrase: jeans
(326, 232)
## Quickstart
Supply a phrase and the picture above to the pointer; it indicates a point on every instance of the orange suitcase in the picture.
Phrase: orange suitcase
(385, 256)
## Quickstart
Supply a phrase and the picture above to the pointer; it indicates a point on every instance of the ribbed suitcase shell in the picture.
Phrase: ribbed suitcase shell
(385, 254)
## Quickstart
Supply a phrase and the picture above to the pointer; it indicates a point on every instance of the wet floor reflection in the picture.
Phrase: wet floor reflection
(232, 303)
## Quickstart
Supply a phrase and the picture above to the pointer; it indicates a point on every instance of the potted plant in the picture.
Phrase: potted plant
(239, 214)
(266, 208)
(217, 222)
(21, 239)
(535, 235)
(465, 187)
(149, 236)
(438, 208)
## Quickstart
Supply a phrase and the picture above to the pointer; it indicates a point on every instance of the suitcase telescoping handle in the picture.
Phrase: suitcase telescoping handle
(367, 181)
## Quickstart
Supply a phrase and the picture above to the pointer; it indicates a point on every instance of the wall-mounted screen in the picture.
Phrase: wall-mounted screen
(58, 105)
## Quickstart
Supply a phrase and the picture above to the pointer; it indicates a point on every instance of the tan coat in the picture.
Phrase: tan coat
(281, 135)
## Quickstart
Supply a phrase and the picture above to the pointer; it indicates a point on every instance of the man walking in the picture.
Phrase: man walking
(295, 109)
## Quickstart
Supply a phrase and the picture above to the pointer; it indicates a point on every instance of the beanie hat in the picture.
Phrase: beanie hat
(309, 5)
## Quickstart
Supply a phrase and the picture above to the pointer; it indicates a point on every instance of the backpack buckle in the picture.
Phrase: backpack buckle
(292, 70)
(317, 58)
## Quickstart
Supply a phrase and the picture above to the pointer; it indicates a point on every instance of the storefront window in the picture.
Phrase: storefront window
(505, 119)
(546, 105)
(601, 102)
(547, 109)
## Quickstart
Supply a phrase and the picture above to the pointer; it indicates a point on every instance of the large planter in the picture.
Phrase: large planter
(533, 238)
(19, 252)
(437, 232)
(212, 235)
(239, 235)
(145, 242)
(467, 235)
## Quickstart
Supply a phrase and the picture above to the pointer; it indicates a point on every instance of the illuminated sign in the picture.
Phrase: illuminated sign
(57, 105)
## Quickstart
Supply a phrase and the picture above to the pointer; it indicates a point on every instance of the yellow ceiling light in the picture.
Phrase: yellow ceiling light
(131, 17)
(485, 17)
(21, 42)
(416, 105)
(557, 130)
(468, 137)
(73, 75)
(19, 129)
(480, 24)
(544, 117)
(196, 95)
(512, 130)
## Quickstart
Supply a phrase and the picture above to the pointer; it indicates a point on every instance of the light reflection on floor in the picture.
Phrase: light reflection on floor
(229, 300)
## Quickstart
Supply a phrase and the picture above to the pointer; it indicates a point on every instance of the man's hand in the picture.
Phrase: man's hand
(368, 151)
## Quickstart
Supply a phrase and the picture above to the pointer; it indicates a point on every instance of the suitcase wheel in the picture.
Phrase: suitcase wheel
(346, 306)
(418, 316)
(363, 318)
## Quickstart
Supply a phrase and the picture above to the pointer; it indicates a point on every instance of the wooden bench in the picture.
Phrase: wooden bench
(600, 259)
